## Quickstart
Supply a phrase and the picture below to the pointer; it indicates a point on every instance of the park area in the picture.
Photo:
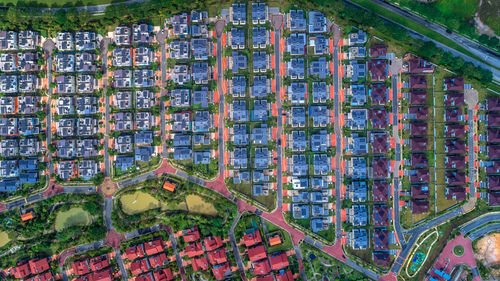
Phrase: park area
(421, 250)
(140, 201)
(56, 3)
(72, 217)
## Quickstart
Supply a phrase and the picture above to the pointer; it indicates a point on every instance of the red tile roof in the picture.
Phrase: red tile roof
(418, 144)
(21, 271)
(452, 114)
(455, 162)
(418, 97)
(494, 198)
(418, 82)
(212, 243)
(380, 168)
(419, 160)
(494, 183)
(80, 267)
(454, 84)
(38, 266)
(261, 267)
(163, 275)
(494, 168)
(420, 113)
(279, 261)
(217, 256)
(454, 131)
(420, 176)
(220, 271)
(145, 277)
(154, 247)
(158, 260)
(381, 215)
(98, 263)
(265, 278)
(493, 104)
(139, 266)
(419, 66)
(284, 276)
(382, 258)
(378, 69)
(380, 239)
(191, 234)
(380, 191)
(420, 191)
(494, 119)
(418, 129)
(454, 99)
(378, 118)
(104, 275)
(257, 253)
(378, 94)
(199, 264)
(136, 251)
(455, 178)
(47, 276)
(419, 206)
(456, 193)
(194, 249)
(253, 238)
(378, 51)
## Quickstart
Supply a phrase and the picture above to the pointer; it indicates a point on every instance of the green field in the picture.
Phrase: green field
(72, 217)
(4, 238)
(56, 3)
(138, 202)
(197, 205)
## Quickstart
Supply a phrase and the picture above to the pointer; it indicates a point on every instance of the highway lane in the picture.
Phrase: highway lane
(483, 231)
(486, 54)
(414, 34)
(470, 226)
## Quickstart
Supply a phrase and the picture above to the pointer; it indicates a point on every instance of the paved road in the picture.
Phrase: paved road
(277, 21)
(470, 226)
(415, 233)
(234, 244)
(486, 54)
(472, 169)
(483, 231)
(136, 180)
(119, 260)
(338, 134)
(396, 182)
(48, 47)
(161, 37)
(108, 208)
(219, 29)
(178, 258)
(104, 50)
(494, 60)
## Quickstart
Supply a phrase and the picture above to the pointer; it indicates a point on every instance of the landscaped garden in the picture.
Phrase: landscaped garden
(57, 223)
(458, 250)
(148, 203)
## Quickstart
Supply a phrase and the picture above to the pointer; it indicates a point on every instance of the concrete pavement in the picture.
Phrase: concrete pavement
(104, 50)
(219, 29)
(161, 37)
(338, 133)
(48, 47)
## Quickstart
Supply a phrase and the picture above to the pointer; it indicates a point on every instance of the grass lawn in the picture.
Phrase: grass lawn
(4, 238)
(197, 205)
(58, 3)
(72, 217)
(442, 202)
(458, 250)
(138, 202)
(414, 26)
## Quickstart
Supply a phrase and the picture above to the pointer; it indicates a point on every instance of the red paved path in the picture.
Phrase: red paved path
(447, 257)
